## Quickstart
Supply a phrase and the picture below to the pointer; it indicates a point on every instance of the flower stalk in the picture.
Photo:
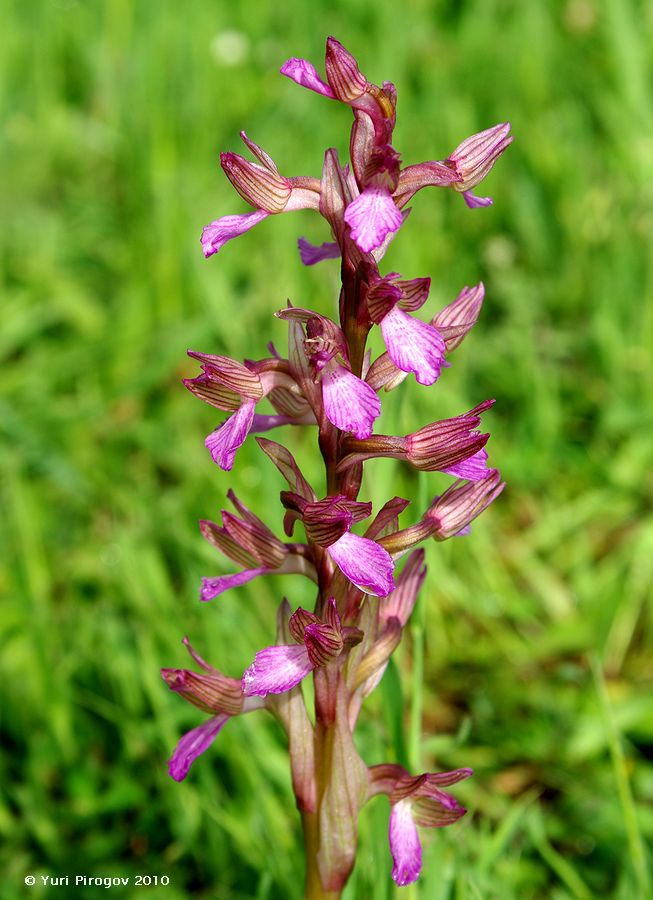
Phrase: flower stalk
(364, 591)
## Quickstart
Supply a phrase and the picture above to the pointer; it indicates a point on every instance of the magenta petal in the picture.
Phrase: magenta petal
(261, 422)
(276, 669)
(216, 235)
(349, 402)
(413, 345)
(404, 844)
(225, 440)
(472, 469)
(305, 73)
(192, 744)
(312, 253)
(475, 202)
(372, 217)
(365, 563)
(213, 587)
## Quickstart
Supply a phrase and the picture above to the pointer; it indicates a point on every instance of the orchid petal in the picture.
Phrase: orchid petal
(365, 563)
(225, 440)
(262, 422)
(276, 670)
(372, 217)
(474, 158)
(312, 253)
(404, 844)
(216, 235)
(213, 587)
(194, 743)
(303, 72)
(474, 202)
(413, 345)
(349, 402)
(472, 469)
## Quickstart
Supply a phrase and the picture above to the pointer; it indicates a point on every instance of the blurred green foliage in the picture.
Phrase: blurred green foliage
(536, 630)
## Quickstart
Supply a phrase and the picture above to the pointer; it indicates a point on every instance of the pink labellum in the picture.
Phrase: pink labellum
(276, 670)
(413, 346)
(472, 469)
(474, 202)
(349, 403)
(213, 587)
(404, 844)
(193, 744)
(372, 217)
(312, 253)
(303, 72)
(216, 235)
(365, 563)
(225, 440)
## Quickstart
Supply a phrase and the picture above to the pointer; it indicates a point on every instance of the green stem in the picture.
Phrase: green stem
(326, 693)
(417, 698)
(633, 834)
(313, 889)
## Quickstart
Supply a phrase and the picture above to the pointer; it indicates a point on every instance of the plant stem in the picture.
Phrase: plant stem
(416, 700)
(624, 792)
(313, 889)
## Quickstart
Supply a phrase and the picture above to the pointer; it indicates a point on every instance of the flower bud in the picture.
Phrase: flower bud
(255, 184)
(210, 690)
(474, 158)
(458, 318)
(462, 503)
(345, 78)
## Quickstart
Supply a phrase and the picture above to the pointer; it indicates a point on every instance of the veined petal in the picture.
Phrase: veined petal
(372, 216)
(276, 670)
(472, 469)
(400, 603)
(346, 79)
(225, 440)
(458, 318)
(404, 845)
(365, 563)
(474, 158)
(462, 503)
(256, 184)
(312, 253)
(303, 72)
(323, 643)
(474, 202)
(213, 587)
(194, 743)
(261, 422)
(216, 235)
(413, 346)
(349, 403)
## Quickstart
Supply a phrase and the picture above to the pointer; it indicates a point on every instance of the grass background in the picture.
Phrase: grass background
(533, 636)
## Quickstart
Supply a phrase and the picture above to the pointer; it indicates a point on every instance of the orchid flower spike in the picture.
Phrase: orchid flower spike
(330, 380)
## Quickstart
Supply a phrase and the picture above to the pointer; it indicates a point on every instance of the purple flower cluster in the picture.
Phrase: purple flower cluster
(329, 381)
